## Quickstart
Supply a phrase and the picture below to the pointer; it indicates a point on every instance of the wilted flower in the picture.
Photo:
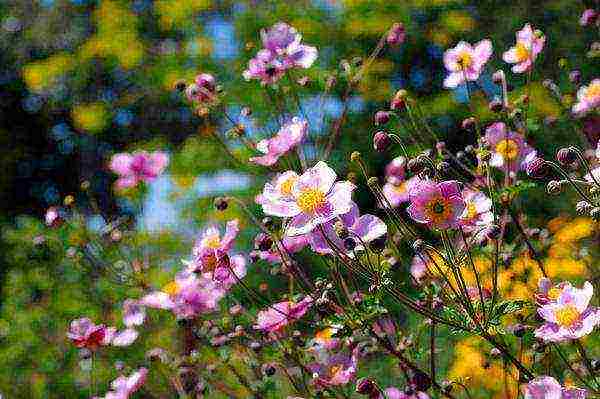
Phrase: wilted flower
(311, 199)
(123, 387)
(509, 149)
(139, 166)
(363, 229)
(466, 62)
(287, 138)
(438, 205)
(546, 387)
(478, 210)
(569, 316)
(523, 54)
(85, 334)
(279, 315)
(283, 51)
(588, 98)
(203, 88)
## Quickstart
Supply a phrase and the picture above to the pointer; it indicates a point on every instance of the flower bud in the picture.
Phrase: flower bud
(355, 156)
(583, 207)
(418, 246)
(553, 187)
(180, 85)
(381, 141)
(221, 203)
(496, 105)
(396, 35)
(575, 76)
(566, 156)
(366, 386)
(381, 118)
(537, 168)
(498, 77)
(468, 123)
(399, 101)
(588, 17)
(595, 214)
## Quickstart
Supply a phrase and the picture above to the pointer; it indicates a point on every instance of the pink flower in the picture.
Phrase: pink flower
(53, 216)
(569, 316)
(287, 138)
(310, 200)
(588, 98)
(588, 17)
(134, 313)
(288, 245)
(85, 334)
(203, 88)
(396, 191)
(283, 51)
(337, 369)
(523, 54)
(546, 387)
(395, 393)
(120, 338)
(363, 229)
(187, 296)
(478, 211)
(438, 205)
(465, 62)
(279, 315)
(139, 166)
(123, 387)
(395, 170)
(509, 149)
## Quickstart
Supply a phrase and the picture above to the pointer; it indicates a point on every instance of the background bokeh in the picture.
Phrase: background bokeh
(82, 79)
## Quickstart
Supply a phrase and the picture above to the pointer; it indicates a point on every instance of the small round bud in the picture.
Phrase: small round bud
(498, 77)
(575, 76)
(269, 369)
(221, 203)
(355, 156)
(469, 123)
(537, 168)
(595, 214)
(381, 141)
(341, 230)
(496, 105)
(440, 146)
(366, 386)
(583, 207)
(69, 200)
(381, 118)
(418, 246)
(553, 187)
(349, 243)
(85, 185)
(396, 35)
(495, 352)
(399, 101)
(566, 156)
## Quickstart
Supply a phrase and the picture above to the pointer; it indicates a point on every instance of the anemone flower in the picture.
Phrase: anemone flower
(529, 44)
(437, 205)
(139, 166)
(287, 138)
(465, 62)
(546, 387)
(509, 149)
(588, 98)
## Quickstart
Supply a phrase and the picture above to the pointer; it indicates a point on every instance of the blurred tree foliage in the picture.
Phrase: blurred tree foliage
(82, 79)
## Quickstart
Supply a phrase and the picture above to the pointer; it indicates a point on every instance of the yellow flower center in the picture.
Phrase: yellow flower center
(310, 200)
(592, 92)
(521, 52)
(324, 335)
(509, 149)
(464, 60)
(286, 186)
(213, 242)
(438, 210)
(566, 316)
(335, 369)
(471, 210)
(171, 288)
(554, 293)
(400, 188)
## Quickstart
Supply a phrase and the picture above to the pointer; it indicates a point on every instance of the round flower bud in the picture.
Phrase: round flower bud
(553, 187)
(366, 386)
(566, 156)
(575, 76)
(381, 118)
(340, 230)
(468, 123)
(537, 168)
(595, 214)
(355, 156)
(381, 141)
(396, 35)
(221, 203)
(440, 146)
(268, 369)
(583, 207)
(588, 17)
(496, 105)
(399, 101)
(498, 77)
(418, 246)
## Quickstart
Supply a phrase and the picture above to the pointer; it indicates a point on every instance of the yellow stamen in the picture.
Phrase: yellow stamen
(566, 316)
(287, 185)
(471, 210)
(438, 210)
(311, 200)
(554, 293)
(592, 92)
(464, 60)
(509, 149)
(400, 188)
(213, 241)
(171, 288)
(521, 52)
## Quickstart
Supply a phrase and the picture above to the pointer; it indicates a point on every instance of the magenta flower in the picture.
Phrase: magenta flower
(288, 245)
(588, 17)
(187, 296)
(53, 216)
(588, 98)
(282, 51)
(314, 198)
(438, 205)
(203, 89)
(546, 387)
(363, 229)
(337, 369)
(395, 393)
(569, 316)
(395, 170)
(85, 334)
(279, 315)
(287, 138)
(396, 192)
(523, 54)
(139, 166)
(509, 149)
(123, 387)
(478, 211)
(466, 62)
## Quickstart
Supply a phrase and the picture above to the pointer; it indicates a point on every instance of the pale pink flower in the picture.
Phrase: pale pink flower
(395, 393)
(478, 211)
(53, 216)
(588, 98)
(569, 316)
(314, 198)
(528, 46)
(287, 245)
(546, 387)
(465, 62)
(396, 191)
(509, 149)
(120, 338)
(123, 387)
(139, 166)
(287, 138)
(437, 205)
(277, 316)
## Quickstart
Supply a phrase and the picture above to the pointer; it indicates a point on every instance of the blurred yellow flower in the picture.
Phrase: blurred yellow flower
(91, 117)
(457, 22)
(175, 13)
(40, 75)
